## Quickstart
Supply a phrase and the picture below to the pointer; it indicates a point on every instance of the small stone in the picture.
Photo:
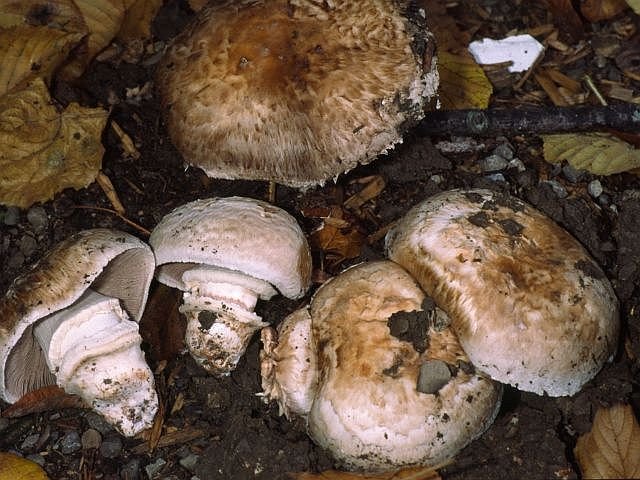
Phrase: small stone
(493, 163)
(29, 442)
(16, 260)
(28, 245)
(572, 175)
(189, 462)
(434, 374)
(504, 150)
(154, 468)
(37, 217)
(36, 458)
(111, 446)
(497, 178)
(131, 471)
(98, 422)
(437, 179)
(557, 188)
(91, 439)
(11, 216)
(518, 165)
(595, 188)
(70, 443)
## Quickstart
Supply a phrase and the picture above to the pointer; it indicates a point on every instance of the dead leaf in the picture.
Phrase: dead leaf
(597, 10)
(598, 153)
(463, 83)
(27, 52)
(416, 473)
(612, 448)
(13, 467)
(566, 18)
(45, 151)
(43, 399)
(56, 14)
(635, 5)
(337, 238)
(197, 5)
(162, 326)
(137, 21)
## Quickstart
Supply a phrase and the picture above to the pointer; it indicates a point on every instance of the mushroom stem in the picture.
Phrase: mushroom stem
(93, 349)
(218, 304)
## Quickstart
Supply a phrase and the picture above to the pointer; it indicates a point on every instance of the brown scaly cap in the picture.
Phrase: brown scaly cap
(529, 304)
(295, 91)
(112, 263)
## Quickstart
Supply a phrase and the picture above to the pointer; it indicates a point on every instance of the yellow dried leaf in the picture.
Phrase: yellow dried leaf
(137, 21)
(13, 467)
(27, 51)
(612, 448)
(463, 83)
(57, 14)
(635, 5)
(597, 153)
(597, 10)
(103, 19)
(45, 151)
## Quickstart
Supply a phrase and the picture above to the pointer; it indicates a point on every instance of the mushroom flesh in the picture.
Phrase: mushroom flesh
(363, 390)
(68, 321)
(296, 91)
(225, 254)
(529, 304)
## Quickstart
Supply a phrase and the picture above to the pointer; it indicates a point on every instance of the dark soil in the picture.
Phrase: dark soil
(239, 436)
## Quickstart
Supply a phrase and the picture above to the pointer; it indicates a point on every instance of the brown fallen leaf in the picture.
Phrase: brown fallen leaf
(612, 448)
(566, 18)
(43, 150)
(44, 399)
(337, 238)
(416, 473)
(137, 21)
(57, 14)
(597, 10)
(13, 467)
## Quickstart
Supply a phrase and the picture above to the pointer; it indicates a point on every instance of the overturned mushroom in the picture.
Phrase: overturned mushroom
(530, 306)
(296, 91)
(224, 254)
(68, 321)
(369, 396)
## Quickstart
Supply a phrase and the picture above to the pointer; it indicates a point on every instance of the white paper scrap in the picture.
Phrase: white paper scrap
(522, 50)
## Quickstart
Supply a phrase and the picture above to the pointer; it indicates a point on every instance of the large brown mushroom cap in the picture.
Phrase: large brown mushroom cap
(112, 263)
(295, 91)
(529, 304)
(364, 404)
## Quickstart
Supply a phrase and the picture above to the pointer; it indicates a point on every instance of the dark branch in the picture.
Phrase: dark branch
(623, 117)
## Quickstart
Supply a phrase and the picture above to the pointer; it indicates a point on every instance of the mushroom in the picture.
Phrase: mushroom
(530, 306)
(368, 395)
(224, 254)
(295, 91)
(68, 321)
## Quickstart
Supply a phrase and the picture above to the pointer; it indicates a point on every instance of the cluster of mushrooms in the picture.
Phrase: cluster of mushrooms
(517, 301)
(497, 292)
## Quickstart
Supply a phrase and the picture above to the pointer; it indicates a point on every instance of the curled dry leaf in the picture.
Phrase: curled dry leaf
(137, 21)
(597, 10)
(13, 467)
(44, 399)
(337, 238)
(57, 14)
(597, 153)
(45, 151)
(463, 83)
(635, 5)
(27, 52)
(612, 448)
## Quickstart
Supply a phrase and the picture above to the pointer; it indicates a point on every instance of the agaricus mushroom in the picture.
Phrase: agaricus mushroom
(295, 91)
(530, 306)
(361, 388)
(68, 321)
(224, 254)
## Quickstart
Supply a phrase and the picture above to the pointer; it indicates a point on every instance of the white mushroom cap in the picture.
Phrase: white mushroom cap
(116, 265)
(295, 91)
(366, 406)
(234, 233)
(225, 253)
(529, 304)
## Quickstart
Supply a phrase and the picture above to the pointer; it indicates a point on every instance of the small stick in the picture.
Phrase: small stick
(271, 193)
(140, 228)
(110, 192)
(622, 117)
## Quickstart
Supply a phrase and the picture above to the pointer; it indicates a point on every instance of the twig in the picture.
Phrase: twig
(622, 117)
(140, 228)
(110, 191)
